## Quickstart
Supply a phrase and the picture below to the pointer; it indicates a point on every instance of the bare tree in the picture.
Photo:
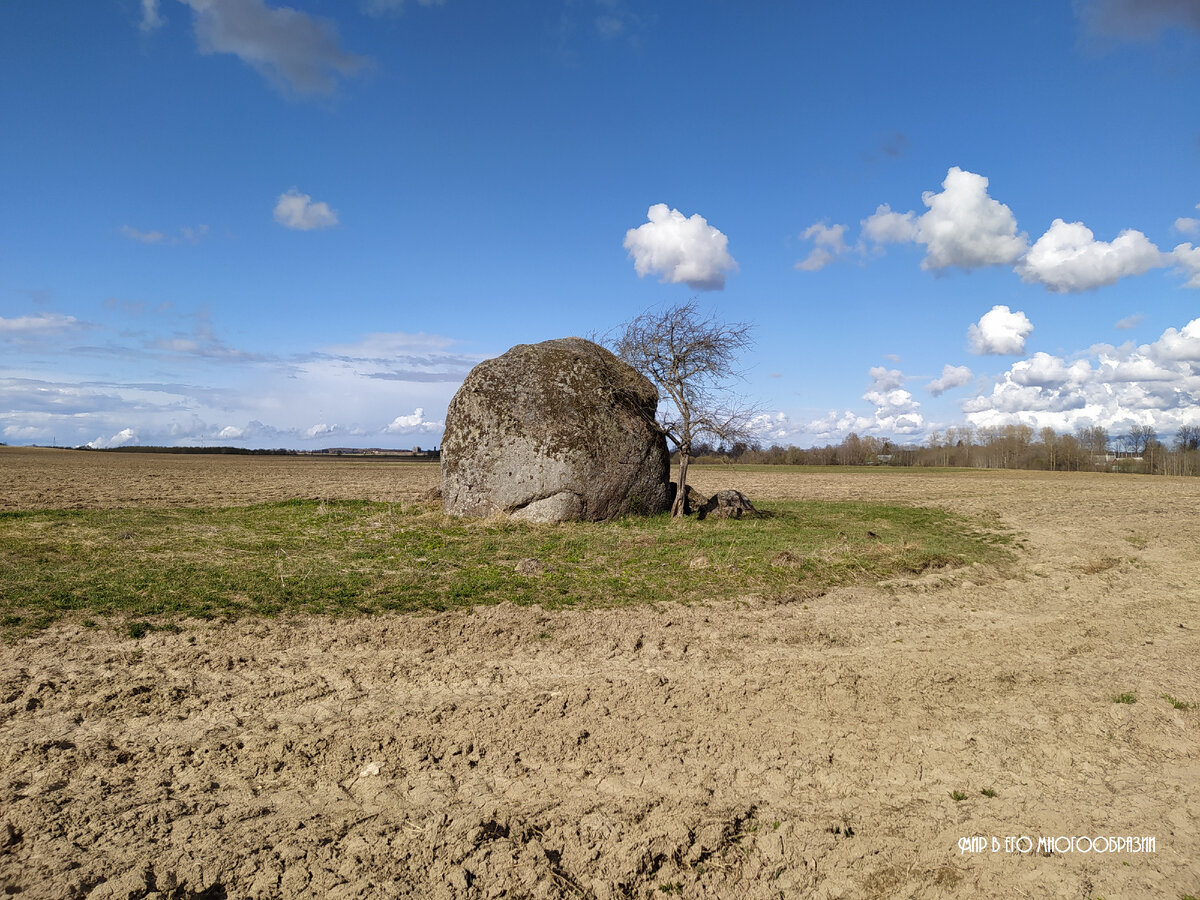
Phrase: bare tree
(691, 359)
(1187, 438)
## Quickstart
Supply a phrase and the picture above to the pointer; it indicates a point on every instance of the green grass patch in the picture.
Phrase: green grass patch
(351, 557)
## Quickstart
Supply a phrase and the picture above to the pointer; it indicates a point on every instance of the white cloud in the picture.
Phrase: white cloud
(320, 430)
(1068, 258)
(896, 411)
(999, 332)
(297, 211)
(885, 379)
(963, 228)
(830, 243)
(151, 17)
(680, 250)
(1132, 321)
(1188, 225)
(1156, 384)
(146, 237)
(120, 439)
(188, 233)
(1178, 346)
(951, 377)
(888, 227)
(1044, 370)
(411, 423)
(291, 49)
(40, 324)
(771, 426)
(1187, 260)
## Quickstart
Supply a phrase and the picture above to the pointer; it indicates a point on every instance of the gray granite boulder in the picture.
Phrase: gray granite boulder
(557, 431)
(727, 504)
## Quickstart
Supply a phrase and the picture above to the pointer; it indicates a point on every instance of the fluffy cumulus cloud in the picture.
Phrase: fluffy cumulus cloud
(999, 332)
(771, 427)
(1155, 384)
(962, 228)
(293, 50)
(298, 211)
(829, 243)
(413, 423)
(680, 249)
(896, 412)
(1068, 258)
(1187, 260)
(1044, 370)
(120, 439)
(951, 377)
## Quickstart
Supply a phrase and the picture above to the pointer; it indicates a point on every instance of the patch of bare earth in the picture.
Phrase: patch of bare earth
(727, 750)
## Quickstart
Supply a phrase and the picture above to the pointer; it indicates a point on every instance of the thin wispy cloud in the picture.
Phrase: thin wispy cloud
(188, 234)
(381, 7)
(42, 324)
(1139, 18)
(829, 243)
(151, 16)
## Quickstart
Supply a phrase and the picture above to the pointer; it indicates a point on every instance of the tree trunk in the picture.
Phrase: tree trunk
(679, 507)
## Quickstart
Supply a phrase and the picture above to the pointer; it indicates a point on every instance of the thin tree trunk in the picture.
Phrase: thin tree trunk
(679, 507)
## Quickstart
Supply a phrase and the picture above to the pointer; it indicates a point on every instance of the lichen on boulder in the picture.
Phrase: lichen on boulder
(557, 431)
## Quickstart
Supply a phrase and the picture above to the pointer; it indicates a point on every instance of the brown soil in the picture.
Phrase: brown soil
(727, 750)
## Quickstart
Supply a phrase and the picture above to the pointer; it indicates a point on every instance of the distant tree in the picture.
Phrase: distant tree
(1093, 440)
(691, 359)
(1050, 445)
(1139, 437)
(1188, 438)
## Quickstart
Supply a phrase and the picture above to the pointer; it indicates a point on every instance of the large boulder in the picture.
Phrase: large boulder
(557, 431)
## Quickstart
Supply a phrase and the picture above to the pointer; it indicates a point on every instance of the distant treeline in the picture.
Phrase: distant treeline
(1091, 449)
(414, 454)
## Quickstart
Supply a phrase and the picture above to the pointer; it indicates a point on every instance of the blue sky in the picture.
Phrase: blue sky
(238, 222)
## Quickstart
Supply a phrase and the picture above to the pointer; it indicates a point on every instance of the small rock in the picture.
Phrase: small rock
(727, 504)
